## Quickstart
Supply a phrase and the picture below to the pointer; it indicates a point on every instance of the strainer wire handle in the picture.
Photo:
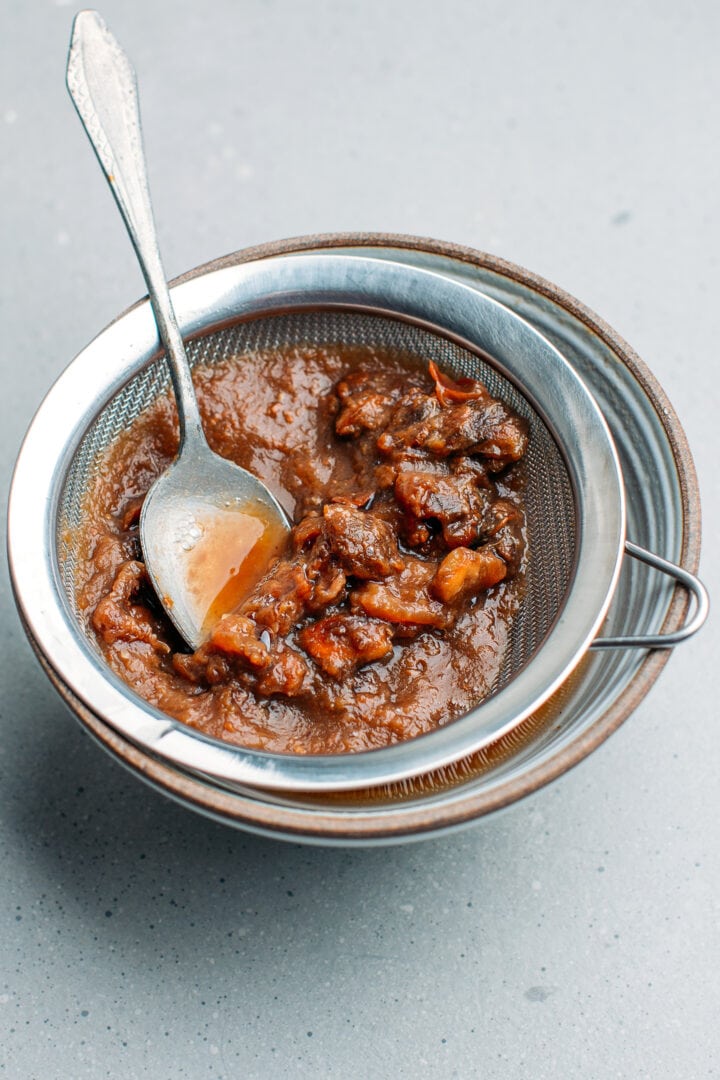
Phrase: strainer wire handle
(102, 83)
(663, 641)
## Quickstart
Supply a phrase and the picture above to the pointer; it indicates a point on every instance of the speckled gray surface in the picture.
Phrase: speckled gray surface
(577, 934)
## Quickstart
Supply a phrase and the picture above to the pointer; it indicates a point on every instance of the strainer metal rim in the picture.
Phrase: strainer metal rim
(280, 284)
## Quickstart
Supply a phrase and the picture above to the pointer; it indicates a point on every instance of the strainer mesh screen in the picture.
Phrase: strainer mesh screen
(549, 503)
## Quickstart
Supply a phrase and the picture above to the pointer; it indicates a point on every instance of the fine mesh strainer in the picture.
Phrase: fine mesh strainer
(574, 496)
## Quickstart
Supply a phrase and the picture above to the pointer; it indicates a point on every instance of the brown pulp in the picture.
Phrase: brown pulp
(389, 612)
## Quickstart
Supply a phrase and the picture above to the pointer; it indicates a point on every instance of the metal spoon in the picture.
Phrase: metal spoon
(206, 522)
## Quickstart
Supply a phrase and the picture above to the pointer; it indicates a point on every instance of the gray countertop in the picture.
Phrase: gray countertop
(576, 935)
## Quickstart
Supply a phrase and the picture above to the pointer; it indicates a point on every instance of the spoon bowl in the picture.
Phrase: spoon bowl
(208, 528)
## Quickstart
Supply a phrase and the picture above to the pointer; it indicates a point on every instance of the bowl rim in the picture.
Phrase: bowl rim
(279, 285)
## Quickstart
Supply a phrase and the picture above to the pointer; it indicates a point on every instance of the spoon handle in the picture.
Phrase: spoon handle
(102, 84)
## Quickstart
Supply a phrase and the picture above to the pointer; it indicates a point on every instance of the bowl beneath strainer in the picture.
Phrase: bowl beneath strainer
(119, 373)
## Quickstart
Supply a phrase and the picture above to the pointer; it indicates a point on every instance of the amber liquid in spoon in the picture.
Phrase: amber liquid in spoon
(229, 553)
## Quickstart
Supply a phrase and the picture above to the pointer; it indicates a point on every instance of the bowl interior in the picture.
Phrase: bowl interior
(548, 492)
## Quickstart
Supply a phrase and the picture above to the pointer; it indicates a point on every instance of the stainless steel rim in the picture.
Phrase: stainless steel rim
(283, 283)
